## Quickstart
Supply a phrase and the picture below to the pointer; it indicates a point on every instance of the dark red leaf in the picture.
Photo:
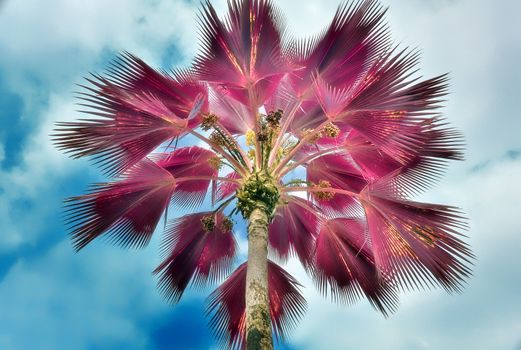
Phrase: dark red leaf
(127, 211)
(293, 229)
(344, 265)
(194, 254)
(341, 173)
(185, 163)
(242, 50)
(416, 243)
(138, 109)
(225, 189)
(235, 116)
(341, 54)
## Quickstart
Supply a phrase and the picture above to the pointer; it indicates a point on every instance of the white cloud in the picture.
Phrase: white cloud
(54, 298)
(46, 48)
(54, 38)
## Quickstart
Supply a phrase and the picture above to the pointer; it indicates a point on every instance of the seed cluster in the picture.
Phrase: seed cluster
(273, 118)
(312, 135)
(208, 223)
(331, 130)
(209, 120)
(323, 195)
(227, 225)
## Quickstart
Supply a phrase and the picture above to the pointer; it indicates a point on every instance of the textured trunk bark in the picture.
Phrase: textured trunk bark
(258, 324)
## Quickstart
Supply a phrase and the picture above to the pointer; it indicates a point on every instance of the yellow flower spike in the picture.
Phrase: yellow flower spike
(250, 138)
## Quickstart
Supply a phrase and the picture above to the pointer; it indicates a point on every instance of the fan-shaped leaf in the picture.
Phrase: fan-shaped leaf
(344, 265)
(307, 111)
(342, 53)
(415, 243)
(386, 107)
(187, 164)
(138, 109)
(235, 116)
(419, 172)
(294, 228)
(242, 50)
(225, 188)
(388, 86)
(127, 211)
(194, 252)
(340, 173)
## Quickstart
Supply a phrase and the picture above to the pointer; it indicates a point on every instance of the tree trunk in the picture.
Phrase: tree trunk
(258, 323)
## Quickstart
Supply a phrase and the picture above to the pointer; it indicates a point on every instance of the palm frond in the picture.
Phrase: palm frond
(345, 267)
(226, 189)
(417, 244)
(241, 49)
(126, 211)
(194, 253)
(342, 53)
(137, 109)
(293, 229)
(339, 172)
(185, 163)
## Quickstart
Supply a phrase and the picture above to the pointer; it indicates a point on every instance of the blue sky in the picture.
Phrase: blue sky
(105, 297)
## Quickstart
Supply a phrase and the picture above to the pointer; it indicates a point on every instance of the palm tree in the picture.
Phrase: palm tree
(340, 119)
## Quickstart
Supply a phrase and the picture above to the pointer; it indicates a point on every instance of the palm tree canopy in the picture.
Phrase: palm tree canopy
(339, 117)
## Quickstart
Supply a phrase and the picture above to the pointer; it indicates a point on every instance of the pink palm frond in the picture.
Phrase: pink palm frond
(199, 248)
(355, 37)
(137, 109)
(386, 106)
(243, 49)
(417, 243)
(226, 189)
(338, 172)
(236, 117)
(372, 162)
(332, 100)
(293, 229)
(194, 169)
(303, 112)
(344, 265)
(419, 172)
(127, 211)
(227, 305)
(388, 86)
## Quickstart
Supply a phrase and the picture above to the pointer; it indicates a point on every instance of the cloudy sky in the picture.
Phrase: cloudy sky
(106, 297)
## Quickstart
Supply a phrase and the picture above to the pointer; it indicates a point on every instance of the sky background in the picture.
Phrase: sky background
(105, 297)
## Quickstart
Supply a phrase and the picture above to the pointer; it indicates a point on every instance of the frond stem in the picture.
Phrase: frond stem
(299, 145)
(239, 148)
(237, 167)
(310, 158)
(224, 204)
(319, 189)
(255, 111)
(306, 207)
(283, 130)
(202, 178)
